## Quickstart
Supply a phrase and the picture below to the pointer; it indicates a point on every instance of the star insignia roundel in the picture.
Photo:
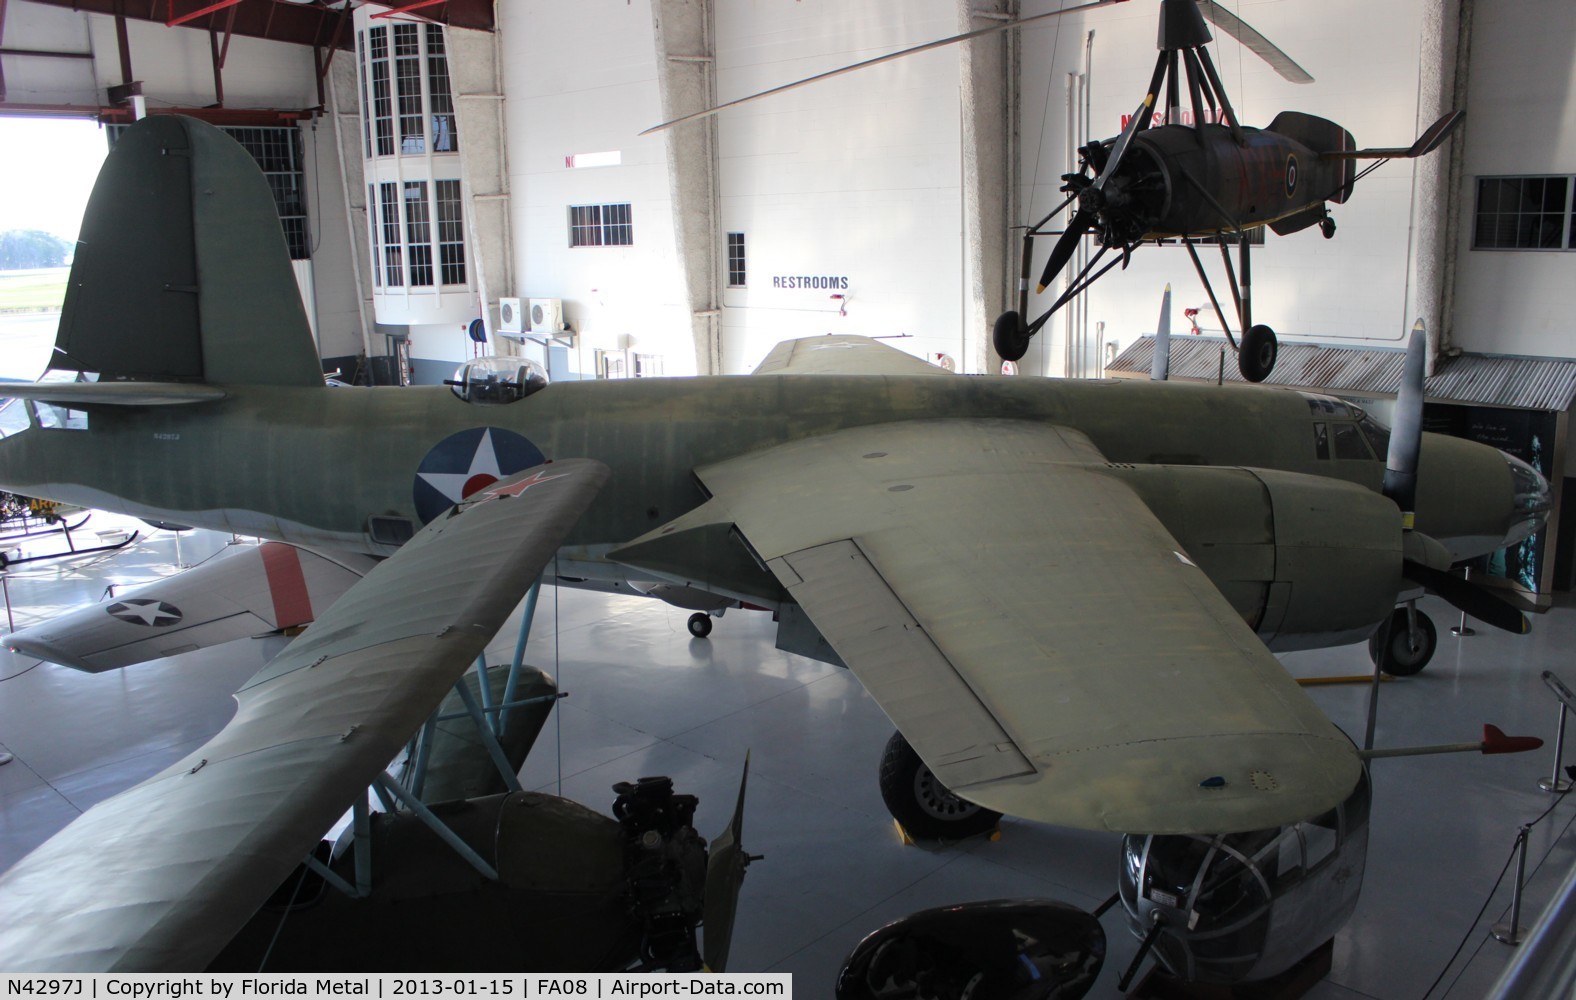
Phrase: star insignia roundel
(466, 463)
(144, 611)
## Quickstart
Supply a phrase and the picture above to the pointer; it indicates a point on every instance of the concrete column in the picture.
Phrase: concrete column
(988, 73)
(475, 76)
(1441, 87)
(686, 80)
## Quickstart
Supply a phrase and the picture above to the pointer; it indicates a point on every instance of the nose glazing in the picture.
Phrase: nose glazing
(1530, 501)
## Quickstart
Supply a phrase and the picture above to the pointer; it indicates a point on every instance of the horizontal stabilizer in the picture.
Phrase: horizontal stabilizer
(246, 592)
(1426, 143)
(114, 393)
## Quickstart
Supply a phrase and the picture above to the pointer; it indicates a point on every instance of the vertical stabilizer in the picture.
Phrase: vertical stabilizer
(181, 271)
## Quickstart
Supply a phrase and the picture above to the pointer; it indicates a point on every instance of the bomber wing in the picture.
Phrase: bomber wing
(161, 876)
(1040, 639)
(244, 592)
(842, 355)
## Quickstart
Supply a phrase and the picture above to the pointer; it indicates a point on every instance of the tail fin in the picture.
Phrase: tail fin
(181, 272)
(1323, 137)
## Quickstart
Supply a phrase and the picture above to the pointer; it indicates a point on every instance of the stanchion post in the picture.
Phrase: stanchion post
(1463, 630)
(1554, 782)
(1511, 933)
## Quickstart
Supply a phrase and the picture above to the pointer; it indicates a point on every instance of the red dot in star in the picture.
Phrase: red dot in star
(476, 483)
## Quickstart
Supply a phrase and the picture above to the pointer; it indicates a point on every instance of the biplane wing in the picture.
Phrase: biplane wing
(161, 876)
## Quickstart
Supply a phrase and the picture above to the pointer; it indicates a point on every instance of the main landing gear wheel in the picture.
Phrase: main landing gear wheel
(922, 804)
(699, 625)
(1010, 336)
(1256, 358)
(1408, 654)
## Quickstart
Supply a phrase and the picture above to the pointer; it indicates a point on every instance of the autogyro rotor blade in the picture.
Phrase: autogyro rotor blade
(1256, 43)
(939, 43)
(1406, 430)
(1082, 221)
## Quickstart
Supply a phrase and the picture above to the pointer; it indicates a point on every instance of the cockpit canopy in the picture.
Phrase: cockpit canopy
(495, 380)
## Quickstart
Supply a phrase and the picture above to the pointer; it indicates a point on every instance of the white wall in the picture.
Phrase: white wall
(1364, 59)
(858, 177)
(581, 78)
(1521, 119)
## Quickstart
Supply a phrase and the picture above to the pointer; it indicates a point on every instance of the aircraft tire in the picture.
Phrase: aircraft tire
(1403, 660)
(1256, 358)
(1010, 336)
(699, 625)
(921, 804)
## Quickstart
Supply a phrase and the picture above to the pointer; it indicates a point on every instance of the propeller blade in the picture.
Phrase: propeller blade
(1133, 125)
(1260, 46)
(939, 43)
(724, 876)
(1406, 430)
(1082, 221)
(1468, 598)
(1160, 364)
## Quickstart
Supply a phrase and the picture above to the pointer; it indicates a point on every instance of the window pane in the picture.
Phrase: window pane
(418, 233)
(445, 130)
(393, 248)
(366, 110)
(382, 100)
(735, 260)
(451, 233)
(407, 74)
(618, 228)
(585, 225)
(374, 244)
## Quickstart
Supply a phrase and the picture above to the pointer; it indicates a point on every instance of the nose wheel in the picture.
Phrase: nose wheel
(699, 625)
(1404, 645)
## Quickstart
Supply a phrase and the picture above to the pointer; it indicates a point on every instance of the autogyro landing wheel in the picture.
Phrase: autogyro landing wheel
(1010, 336)
(1256, 358)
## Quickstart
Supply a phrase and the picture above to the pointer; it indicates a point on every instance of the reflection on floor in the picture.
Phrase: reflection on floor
(646, 698)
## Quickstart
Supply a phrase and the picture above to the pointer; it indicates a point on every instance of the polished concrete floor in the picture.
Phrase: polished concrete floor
(647, 698)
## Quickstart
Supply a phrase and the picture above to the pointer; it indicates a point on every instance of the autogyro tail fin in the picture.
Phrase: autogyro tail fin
(181, 273)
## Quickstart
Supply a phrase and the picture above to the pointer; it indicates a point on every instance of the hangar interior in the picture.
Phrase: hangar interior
(471, 179)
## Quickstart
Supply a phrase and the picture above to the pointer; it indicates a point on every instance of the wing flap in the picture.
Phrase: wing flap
(1052, 594)
(900, 665)
(160, 877)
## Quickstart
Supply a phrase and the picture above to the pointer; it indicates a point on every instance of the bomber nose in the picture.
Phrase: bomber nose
(1530, 502)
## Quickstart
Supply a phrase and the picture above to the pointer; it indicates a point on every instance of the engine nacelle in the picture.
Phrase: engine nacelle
(1306, 561)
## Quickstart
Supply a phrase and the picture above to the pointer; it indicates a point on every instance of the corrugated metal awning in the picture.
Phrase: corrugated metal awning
(1477, 379)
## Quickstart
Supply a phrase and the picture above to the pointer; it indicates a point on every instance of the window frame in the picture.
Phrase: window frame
(737, 261)
(610, 224)
(1567, 217)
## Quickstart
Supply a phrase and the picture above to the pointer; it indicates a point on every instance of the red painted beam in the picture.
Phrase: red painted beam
(173, 20)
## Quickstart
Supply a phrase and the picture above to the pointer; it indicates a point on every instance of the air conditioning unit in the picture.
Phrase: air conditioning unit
(547, 315)
(510, 318)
